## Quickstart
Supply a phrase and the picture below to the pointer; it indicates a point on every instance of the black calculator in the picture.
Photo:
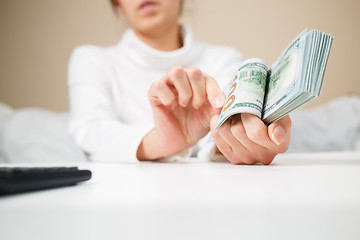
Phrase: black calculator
(25, 179)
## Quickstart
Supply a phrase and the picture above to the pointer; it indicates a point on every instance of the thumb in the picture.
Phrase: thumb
(279, 131)
(213, 121)
(215, 94)
(278, 134)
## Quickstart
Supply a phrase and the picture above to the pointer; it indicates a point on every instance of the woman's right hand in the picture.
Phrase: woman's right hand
(246, 139)
(183, 103)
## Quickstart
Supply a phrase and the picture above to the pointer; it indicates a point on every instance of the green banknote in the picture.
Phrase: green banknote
(246, 90)
(293, 80)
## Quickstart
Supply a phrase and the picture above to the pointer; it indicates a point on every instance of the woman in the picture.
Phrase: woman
(155, 94)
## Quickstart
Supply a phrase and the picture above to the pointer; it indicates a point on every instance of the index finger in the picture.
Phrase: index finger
(256, 130)
(215, 95)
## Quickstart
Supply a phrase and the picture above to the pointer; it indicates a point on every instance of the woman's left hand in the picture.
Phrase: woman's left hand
(183, 102)
(245, 139)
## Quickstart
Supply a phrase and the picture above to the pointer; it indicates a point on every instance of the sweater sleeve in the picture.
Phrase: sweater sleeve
(94, 124)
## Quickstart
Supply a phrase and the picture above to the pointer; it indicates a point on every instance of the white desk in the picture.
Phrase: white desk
(303, 196)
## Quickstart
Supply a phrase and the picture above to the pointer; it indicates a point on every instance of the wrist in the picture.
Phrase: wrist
(154, 147)
(147, 148)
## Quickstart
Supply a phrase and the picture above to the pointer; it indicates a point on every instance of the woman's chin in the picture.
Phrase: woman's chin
(153, 27)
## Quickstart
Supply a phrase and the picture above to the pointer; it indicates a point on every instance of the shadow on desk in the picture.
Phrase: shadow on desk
(343, 158)
(318, 158)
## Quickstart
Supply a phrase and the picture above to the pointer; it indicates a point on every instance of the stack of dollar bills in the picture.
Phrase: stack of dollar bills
(293, 80)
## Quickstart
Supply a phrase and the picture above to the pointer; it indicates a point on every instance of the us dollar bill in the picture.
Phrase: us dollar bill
(293, 80)
(246, 91)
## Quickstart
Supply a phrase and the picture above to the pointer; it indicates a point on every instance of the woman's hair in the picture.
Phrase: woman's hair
(115, 3)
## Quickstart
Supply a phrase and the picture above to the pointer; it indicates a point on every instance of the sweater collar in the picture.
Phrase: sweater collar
(151, 58)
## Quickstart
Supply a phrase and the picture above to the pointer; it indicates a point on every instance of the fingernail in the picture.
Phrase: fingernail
(185, 103)
(219, 102)
(278, 135)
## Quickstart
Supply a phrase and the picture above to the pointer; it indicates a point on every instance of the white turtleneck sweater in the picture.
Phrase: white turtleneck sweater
(108, 89)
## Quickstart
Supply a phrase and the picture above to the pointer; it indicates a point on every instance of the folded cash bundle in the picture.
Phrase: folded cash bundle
(293, 80)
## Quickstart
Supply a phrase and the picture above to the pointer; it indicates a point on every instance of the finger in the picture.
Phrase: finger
(214, 93)
(177, 77)
(279, 132)
(226, 134)
(238, 131)
(256, 130)
(197, 82)
(220, 143)
(258, 153)
(213, 121)
(239, 153)
(160, 93)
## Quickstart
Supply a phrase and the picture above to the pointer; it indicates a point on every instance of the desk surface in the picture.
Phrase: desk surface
(298, 196)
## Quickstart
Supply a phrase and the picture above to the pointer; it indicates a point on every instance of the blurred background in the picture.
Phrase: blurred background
(37, 38)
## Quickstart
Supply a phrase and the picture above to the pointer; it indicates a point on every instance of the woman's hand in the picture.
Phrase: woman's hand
(183, 103)
(245, 139)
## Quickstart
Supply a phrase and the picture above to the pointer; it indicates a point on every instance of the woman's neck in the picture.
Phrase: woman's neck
(166, 40)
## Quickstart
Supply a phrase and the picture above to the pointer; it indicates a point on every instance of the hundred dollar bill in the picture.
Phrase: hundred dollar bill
(284, 77)
(246, 91)
(293, 80)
